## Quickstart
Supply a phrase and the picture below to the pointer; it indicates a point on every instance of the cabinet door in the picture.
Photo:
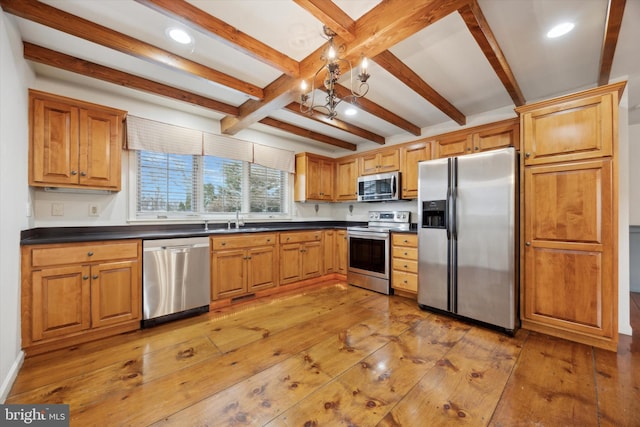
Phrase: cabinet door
(312, 260)
(290, 263)
(451, 146)
(228, 275)
(115, 293)
(61, 301)
(261, 268)
(369, 164)
(341, 251)
(497, 137)
(569, 250)
(54, 143)
(100, 149)
(410, 156)
(329, 257)
(389, 160)
(573, 130)
(326, 180)
(346, 179)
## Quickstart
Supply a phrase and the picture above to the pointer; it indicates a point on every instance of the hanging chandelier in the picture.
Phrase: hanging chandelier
(329, 73)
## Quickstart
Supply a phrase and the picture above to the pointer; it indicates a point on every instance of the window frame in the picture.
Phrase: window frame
(200, 215)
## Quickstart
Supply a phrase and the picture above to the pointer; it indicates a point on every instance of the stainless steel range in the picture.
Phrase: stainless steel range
(370, 249)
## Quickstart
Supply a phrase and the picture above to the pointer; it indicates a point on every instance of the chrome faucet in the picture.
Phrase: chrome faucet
(206, 225)
(239, 221)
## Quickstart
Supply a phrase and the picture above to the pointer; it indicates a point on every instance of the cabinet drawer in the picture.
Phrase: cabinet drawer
(247, 240)
(404, 281)
(298, 237)
(405, 265)
(405, 252)
(404, 239)
(83, 253)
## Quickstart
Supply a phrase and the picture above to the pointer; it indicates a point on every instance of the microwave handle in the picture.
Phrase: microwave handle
(394, 188)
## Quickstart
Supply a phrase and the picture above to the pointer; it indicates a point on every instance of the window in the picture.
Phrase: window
(181, 185)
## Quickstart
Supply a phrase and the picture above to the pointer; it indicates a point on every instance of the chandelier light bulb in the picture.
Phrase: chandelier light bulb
(303, 86)
(364, 65)
(332, 53)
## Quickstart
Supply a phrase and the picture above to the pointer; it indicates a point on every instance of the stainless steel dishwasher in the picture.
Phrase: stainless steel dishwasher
(175, 279)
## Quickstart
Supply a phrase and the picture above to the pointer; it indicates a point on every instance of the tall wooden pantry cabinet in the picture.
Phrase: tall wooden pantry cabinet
(570, 212)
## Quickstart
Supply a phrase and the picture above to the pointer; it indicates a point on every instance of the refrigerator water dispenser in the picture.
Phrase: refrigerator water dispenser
(434, 214)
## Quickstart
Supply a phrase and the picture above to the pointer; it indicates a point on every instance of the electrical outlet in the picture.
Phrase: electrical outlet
(94, 210)
(57, 209)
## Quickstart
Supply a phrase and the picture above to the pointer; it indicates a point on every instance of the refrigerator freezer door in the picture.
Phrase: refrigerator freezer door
(486, 240)
(433, 290)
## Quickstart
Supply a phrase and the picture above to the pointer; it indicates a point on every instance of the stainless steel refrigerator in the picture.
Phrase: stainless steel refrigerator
(467, 237)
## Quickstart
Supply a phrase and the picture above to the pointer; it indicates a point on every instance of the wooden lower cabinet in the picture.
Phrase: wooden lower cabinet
(404, 263)
(72, 293)
(301, 256)
(342, 252)
(243, 264)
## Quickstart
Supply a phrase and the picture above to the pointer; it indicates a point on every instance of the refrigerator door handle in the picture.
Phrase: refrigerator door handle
(448, 210)
(454, 224)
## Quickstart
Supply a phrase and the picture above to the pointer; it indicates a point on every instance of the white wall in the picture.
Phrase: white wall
(14, 194)
(624, 163)
(634, 208)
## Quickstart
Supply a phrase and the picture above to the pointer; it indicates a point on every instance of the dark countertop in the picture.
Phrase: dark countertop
(42, 235)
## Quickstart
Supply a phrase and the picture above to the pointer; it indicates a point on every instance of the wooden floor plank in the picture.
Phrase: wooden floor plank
(197, 382)
(365, 393)
(336, 355)
(552, 384)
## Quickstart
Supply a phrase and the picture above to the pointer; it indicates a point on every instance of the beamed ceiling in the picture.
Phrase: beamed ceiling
(433, 63)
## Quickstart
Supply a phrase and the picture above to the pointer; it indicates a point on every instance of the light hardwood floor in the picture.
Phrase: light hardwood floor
(337, 355)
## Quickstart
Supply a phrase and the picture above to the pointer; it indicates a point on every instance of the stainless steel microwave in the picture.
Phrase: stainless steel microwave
(379, 187)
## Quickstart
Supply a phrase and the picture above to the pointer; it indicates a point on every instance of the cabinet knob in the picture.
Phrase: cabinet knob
(406, 254)
(223, 244)
(477, 148)
(406, 266)
(94, 277)
(89, 253)
(268, 240)
(85, 277)
(74, 172)
(468, 149)
(528, 243)
(527, 155)
(248, 257)
(83, 173)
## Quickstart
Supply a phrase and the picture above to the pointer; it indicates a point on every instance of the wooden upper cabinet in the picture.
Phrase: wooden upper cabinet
(495, 137)
(73, 143)
(575, 129)
(410, 156)
(457, 144)
(346, 179)
(387, 160)
(314, 178)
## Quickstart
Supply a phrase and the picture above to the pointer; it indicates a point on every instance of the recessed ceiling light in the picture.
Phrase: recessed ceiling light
(179, 35)
(560, 30)
(350, 111)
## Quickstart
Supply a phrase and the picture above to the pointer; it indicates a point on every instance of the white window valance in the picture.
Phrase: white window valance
(227, 147)
(150, 135)
(274, 158)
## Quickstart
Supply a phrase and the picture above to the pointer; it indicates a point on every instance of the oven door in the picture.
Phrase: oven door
(369, 253)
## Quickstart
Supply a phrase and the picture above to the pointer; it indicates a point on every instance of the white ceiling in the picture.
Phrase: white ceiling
(444, 55)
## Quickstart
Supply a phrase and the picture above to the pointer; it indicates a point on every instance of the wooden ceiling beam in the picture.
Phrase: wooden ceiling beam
(480, 30)
(393, 65)
(307, 133)
(62, 61)
(294, 107)
(371, 107)
(55, 18)
(382, 27)
(332, 16)
(615, 12)
(203, 22)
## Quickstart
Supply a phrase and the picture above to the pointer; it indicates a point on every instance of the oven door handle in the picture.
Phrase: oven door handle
(368, 235)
